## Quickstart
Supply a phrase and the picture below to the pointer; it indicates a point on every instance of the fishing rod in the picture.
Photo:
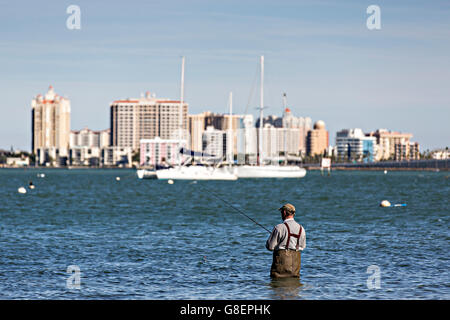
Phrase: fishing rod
(238, 210)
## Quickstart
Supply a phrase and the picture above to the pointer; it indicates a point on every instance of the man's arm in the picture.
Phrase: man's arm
(272, 242)
(303, 239)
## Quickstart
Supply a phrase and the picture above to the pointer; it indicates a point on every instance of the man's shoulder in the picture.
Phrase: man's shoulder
(280, 226)
(293, 222)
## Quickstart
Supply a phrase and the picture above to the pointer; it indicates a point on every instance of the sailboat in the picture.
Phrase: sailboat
(196, 173)
(146, 174)
(267, 171)
(193, 172)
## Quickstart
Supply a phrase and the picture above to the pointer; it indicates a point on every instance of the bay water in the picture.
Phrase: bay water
(82, 234)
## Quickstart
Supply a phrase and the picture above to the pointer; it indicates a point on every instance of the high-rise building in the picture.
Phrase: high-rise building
(387, 141)
(198, 124)
(89, 138)
(196, 129)
(274, 121)
(317, 140)
(158, 151)
(289, 121)
(222, 122)
(214, 142)
(353, 144)
(146, 118)
(116, 156)
(278, 142)
(86, 146)
(270, 144)
(300, 123)
(105, 138)
(246, 141)
(407, 151)
(50, 126)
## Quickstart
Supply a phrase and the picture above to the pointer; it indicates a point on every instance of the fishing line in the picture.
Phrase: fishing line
(238, 210)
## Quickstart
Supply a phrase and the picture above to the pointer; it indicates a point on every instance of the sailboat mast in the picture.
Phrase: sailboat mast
(181, 107)
(285, 129)
(230, 132)
(261, 107)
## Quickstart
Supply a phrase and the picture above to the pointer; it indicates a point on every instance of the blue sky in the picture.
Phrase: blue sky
(319, 52)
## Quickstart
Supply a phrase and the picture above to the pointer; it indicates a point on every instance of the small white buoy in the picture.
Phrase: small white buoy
(118, 178)
(170, 181)
(22, 190)
(41, 175)
(385, 171)
(31, 186)
(385, 203)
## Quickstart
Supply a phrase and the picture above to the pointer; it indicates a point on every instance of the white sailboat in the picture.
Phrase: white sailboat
(267, 171)
(193, 172)
(270, 171)
(146, 174)
(196, 173)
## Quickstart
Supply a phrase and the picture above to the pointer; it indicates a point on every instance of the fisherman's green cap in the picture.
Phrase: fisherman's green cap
(288, 207)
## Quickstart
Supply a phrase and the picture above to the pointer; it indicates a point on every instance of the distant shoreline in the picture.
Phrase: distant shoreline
(376, 169)
(411, 165)
(308, 168)
(67, 168)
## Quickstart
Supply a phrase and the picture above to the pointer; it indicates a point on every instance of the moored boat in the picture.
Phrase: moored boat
(196, 173)
(146, 174)
(270, 171)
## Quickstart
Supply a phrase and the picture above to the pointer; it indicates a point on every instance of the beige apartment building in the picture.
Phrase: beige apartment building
(317, 140)
(303, 124)
(392, 144)
(50, 125)
(196, 129)
(90, 138)
(199, 122)
(146, 118)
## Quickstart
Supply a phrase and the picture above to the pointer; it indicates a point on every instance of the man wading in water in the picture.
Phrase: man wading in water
(286, 258)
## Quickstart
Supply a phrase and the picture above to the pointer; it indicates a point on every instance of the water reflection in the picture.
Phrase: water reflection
(286, 288)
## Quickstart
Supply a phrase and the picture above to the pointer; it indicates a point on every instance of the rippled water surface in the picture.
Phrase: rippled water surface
(147, 239)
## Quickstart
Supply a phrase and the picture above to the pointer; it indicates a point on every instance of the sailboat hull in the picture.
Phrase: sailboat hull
(195, 173)
(146, 174)
(270, 172)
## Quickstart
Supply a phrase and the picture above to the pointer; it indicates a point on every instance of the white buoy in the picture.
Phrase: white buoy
(22, 190)
(31, 186)
(385, 203)
(170, 181)
(118, 178)
(385, 171)
(41, 175)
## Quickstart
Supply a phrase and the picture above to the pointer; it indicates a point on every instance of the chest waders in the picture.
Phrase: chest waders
(286, 262)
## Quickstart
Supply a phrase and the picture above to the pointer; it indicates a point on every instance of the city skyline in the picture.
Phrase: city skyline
(321, 54)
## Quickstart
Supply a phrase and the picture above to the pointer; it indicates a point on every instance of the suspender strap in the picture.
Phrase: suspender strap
(298, 239)
(289, 236)
(293, 235)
